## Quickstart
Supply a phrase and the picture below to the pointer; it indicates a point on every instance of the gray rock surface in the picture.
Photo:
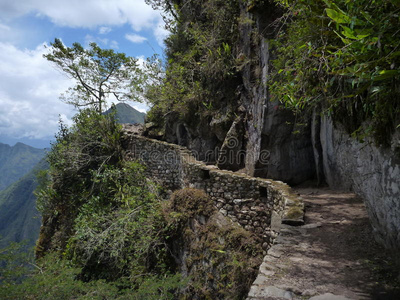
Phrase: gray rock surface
(324, 259)
(329, 296)
(270, 292)
(276, 147)
(231, 156)
(372, 172)
(279, 146)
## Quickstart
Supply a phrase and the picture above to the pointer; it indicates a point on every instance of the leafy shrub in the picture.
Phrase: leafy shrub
(191, 202)
(220, 258)
(201, 75)
(116, 232)
(56, 278)
(100, 212)
(341, 57)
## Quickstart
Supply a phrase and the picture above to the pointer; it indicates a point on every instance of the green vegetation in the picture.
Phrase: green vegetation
(99, 74)
(124, 113)
(107, 233)
(55, 278)
(80, 153)
(341, 57)
(338, 58)
(126, 248)
(16, 161)
(201, 70)
(102, 222)
(221, 258)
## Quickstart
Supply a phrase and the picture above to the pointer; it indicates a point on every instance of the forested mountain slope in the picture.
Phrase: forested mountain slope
(16, 161)
(19, 218)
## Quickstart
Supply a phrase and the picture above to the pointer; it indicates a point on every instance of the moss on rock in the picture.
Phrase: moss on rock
(219, 257)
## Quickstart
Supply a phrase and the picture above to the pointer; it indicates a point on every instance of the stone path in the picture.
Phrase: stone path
(331, 257)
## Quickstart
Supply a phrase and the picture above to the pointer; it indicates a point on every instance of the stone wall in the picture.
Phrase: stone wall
(163, 161)
(370, 171)
(257, 204)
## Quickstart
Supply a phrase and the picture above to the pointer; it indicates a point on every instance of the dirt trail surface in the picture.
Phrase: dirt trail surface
(332, 257)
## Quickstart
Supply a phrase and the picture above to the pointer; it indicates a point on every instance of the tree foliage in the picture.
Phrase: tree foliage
(201, 74)
(342, 56)
(55, 278)
(101, 218)
(90, 145)
(99, 74)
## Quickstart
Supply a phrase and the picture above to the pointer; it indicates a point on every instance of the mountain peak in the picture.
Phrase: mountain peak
(127, 114)
(21, 145)
(16, 161)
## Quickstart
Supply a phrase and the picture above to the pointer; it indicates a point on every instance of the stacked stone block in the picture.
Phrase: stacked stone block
(257, 204)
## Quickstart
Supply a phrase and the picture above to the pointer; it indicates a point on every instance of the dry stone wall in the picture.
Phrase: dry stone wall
(259, 205)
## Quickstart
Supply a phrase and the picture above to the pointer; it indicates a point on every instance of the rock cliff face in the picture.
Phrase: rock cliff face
(270, 128)
(279, 146)
(318, 148)
(265, 139)
(372, 172)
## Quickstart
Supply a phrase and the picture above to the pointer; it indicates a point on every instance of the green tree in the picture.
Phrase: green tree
(99, 74)
(103, 215)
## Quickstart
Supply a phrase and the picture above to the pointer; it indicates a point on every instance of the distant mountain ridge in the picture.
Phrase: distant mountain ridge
(19, 219)
(16, 161)
(127, 114)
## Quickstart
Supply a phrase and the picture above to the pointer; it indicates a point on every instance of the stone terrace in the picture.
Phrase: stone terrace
(259, 205)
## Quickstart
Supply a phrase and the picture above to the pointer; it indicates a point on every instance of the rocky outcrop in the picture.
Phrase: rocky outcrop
(278, 145)
(231, 156)
(271, 129)
(270, 141)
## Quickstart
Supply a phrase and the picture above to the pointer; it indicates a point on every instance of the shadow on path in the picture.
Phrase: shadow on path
(333, 253)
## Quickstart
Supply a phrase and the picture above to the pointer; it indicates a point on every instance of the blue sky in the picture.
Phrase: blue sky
(30, 86)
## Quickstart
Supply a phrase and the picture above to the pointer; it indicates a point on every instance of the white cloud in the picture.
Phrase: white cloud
(88, 13)
(104, 30)
(4, 28)
(100, 41)
(89, 39)
(29, 92)
(114, 45)
(135, 38)
(160, 32)
(11, 34)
